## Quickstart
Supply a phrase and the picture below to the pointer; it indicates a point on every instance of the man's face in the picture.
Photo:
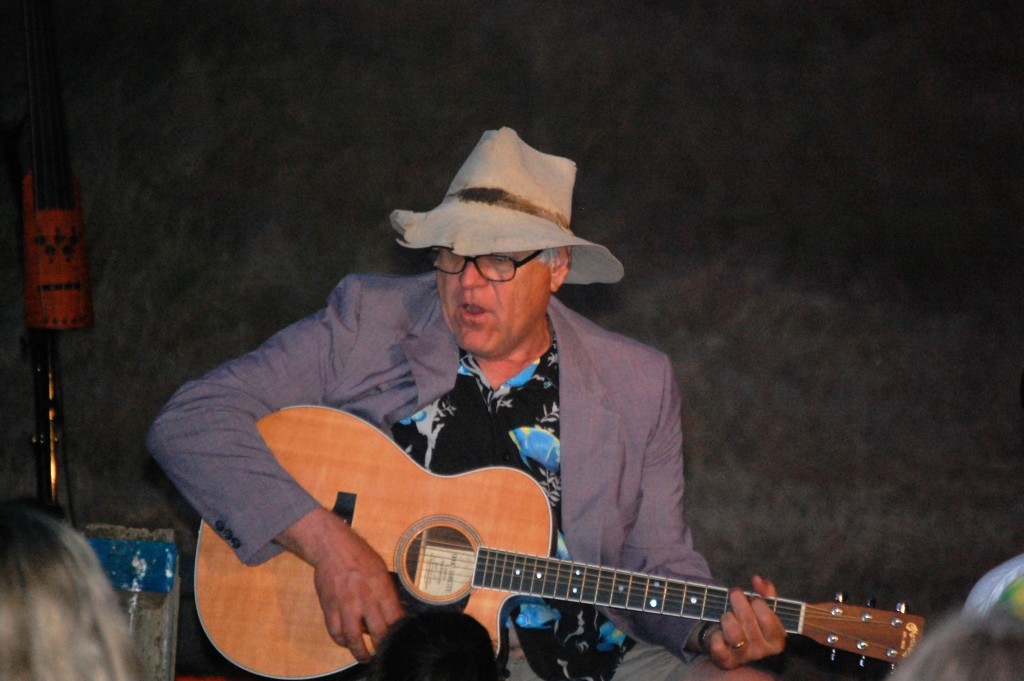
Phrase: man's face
(502, 321)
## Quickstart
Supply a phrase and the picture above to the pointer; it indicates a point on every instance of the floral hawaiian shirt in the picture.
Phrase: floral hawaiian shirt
(516, 424)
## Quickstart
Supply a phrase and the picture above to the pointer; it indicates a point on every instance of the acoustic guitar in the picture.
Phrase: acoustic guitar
(469, 541)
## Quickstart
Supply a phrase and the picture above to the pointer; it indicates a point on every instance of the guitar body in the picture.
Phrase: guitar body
(427, 528)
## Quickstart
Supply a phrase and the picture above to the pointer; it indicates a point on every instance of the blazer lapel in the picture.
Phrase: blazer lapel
(587, 425)
(433, 357)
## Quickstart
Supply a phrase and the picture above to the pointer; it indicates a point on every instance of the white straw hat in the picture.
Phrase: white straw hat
(509, 197)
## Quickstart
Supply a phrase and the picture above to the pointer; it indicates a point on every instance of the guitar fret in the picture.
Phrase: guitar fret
(521, 581)
(619, 590)
(543, 583)
(589, 585)
(491, 577)
(675, 598)
(549, 578)
(563, 575)
(635, 594)
(606, 583)
(694, 603)
(602, 587)
(543, 579)
(536, 576)
(790, 613)
(505, 583)
(524, 574)
(545, 574)
(575, 584)
(480, 572)
(654, 600)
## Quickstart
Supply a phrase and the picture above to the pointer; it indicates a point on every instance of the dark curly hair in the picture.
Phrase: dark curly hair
(436, 645)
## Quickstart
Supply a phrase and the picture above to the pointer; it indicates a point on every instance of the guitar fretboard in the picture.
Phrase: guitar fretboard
(568, 581)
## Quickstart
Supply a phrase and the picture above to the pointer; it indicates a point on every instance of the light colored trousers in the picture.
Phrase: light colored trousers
(642, 663)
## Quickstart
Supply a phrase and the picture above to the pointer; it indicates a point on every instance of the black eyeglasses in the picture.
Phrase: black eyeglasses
(492, 267)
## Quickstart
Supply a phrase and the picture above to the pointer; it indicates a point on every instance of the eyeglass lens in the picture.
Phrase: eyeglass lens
(491, 266)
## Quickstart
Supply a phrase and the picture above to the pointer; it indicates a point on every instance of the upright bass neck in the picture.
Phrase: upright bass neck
(58, 295)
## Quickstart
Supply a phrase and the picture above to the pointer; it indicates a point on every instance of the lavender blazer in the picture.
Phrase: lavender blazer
(381, 350)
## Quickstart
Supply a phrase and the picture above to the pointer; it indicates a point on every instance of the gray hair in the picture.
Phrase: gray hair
(549, 255)
(968, 647)
(59, 617)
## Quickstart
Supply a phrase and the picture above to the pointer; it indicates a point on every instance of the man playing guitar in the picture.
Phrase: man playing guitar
(477, 365)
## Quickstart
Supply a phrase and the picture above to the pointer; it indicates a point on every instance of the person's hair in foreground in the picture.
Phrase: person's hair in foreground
(59, 617)
(436, 645)
(968, 647)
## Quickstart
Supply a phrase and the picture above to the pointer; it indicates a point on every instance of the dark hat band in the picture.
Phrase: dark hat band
(499, 197)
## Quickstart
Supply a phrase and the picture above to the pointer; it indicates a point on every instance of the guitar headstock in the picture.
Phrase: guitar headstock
(880, 634)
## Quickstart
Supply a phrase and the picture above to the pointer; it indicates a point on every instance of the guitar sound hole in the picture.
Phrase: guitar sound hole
(437, 560)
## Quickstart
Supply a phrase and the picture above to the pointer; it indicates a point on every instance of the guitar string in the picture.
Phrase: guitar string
(467, 564)
(673, 594)
(715, 599)
(499, 571)
(552, 569)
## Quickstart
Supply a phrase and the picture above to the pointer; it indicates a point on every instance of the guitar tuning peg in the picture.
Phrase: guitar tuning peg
(840, 597)
(871, 602)
(901, 607)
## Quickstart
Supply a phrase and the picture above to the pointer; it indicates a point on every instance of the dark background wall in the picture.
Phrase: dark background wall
(818, 206)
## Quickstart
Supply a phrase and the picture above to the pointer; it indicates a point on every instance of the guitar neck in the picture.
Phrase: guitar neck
(568, 581)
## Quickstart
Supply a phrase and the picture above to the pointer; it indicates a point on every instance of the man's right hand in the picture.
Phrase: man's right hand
(356, 592)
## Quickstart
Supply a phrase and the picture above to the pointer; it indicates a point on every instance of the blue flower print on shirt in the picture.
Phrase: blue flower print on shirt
(537, 444)
(524, 376)
(415, 418)
(536, 614)
(611, 637)
(561, 548)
